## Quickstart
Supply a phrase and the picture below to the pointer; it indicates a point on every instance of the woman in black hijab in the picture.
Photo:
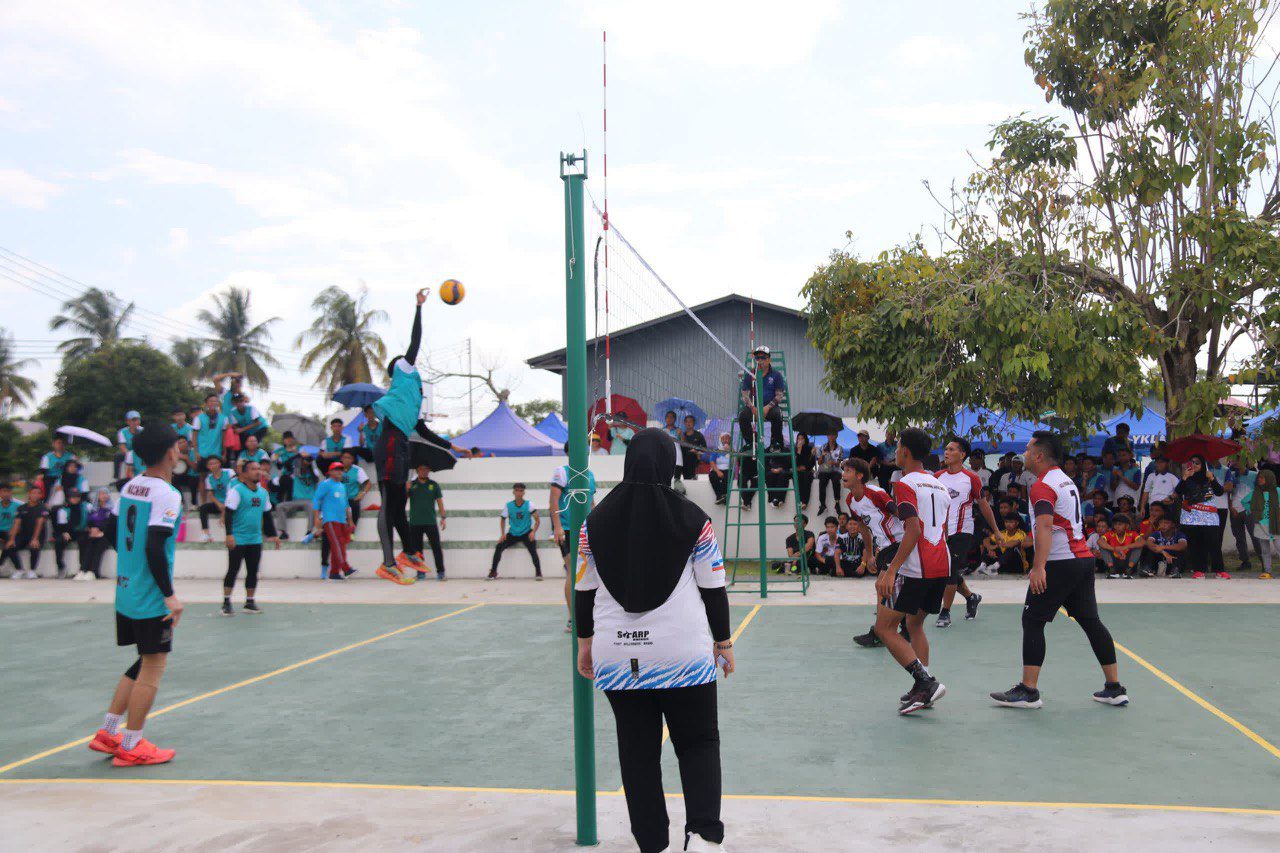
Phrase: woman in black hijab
(651, 580)
(1199, 518)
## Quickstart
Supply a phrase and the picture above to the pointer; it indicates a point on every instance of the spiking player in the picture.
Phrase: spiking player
(147, 610)
(1061, 576)
(966, 491)
(911, 586)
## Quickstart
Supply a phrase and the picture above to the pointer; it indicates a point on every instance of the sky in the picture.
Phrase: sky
(168, 151)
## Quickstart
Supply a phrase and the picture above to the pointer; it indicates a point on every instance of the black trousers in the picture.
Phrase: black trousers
(690, 713)
(833, 478)
(207, 511)
(190, 482)
(432, 533)
(526, 540)
(251, 555)
(91, 551)
(747, 422)
(60, 547)
(719, 482)
(1203, 541)
(10, 554)
(1215, 556)
(805, 482)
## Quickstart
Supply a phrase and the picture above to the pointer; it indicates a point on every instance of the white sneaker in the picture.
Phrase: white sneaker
(81, 576)
(205, 537)
(694, 841)
(31, 574)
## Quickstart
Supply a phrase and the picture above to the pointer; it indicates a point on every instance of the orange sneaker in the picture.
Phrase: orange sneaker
(105, 741)
(395, 575)
(143, 752)
(405, 563)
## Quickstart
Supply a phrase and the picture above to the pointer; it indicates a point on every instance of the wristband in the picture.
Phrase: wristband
(728, 644)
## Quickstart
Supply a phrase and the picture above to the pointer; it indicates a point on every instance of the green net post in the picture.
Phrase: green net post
(761, 494)
(573, 172)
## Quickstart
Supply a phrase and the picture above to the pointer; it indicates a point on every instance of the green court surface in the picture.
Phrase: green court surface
(477, 697)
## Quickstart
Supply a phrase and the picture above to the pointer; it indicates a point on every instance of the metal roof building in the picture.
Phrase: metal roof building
(671, 357)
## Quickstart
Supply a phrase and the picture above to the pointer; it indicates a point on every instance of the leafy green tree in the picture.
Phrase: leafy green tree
(15, 388)
(536, 410)
(20, 454)
(96, 391)
(98, 316)
(189, 355)
(343, 343)
(236, 344)
(1142, 231)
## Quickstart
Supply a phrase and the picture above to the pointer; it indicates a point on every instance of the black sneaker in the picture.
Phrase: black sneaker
(971, 606)
(778, 568)
(822, 509)
(1018, 696)
(923, 695)
(1112, 694)
(868, 640)
(493, 575)
(944, 620)
(251, 607)
(1173, 574)
(226, 609)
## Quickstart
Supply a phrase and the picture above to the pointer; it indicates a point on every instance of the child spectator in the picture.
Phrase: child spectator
(426, 518)
(826, 553)
(334, 443)
(333, 516)
(794, 548)
(720, 465)
(1166, 545)
(1159, 486)
(1125, 506)
(1006, 549)
(597, 449)
(69, 523)
(1121, 548)
(1263, 507)
(1151, 524)
(1096, 509)
(213, 494)
(1094, 542)
(357, 482)
(857, 559)
(518, 525)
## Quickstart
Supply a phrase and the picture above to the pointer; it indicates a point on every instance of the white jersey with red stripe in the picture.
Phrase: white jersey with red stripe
(964, 487)
(1056, 494)
(920, 494)
(877, 511)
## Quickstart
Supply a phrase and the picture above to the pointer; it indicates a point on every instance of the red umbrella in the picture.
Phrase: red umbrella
(620, 406)
(1210, 447)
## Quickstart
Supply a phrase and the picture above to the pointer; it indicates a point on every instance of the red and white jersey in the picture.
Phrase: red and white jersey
(964, 487)
(1057, 495)
(877, 511)
(919, 494)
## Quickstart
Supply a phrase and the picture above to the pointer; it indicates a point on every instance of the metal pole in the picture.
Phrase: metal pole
(761, 470)
(573, 171)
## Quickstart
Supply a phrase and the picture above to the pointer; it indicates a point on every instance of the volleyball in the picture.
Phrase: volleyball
(451, 292)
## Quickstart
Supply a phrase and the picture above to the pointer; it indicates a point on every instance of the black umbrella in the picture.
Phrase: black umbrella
(816, 423)
(423, 452)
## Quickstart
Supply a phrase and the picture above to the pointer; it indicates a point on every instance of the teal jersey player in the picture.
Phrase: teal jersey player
(8, 512)
(146, 503)
(519, 517)
(247, 506)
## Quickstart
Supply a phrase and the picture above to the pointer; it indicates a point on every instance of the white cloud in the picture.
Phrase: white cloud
(179, 240)
(722, 34)
(926, 52)
(23, 189)
(939, 114)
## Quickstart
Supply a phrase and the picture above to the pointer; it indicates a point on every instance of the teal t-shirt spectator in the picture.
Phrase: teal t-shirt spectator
(8, 512)
(258, 455)
(218, 485)
(1257, 503)
(335, 445)
(183, 431)
(331, 501)
(209, 433)
(52, 464)
(519, 517)
(247, 506)
(369, 434)
(621, 437)
(353, 479)
(146, 503)
(304, 487)
(283, 458)
(247, 416)
(1100, 480)
(561, 479)
(125, 437)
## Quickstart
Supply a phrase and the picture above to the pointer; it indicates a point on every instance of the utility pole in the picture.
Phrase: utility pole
(471, 409)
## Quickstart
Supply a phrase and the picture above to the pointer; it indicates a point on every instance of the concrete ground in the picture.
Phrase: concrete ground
(1177, 777)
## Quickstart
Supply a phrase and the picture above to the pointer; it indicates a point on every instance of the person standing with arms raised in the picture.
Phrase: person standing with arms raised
(653, 620)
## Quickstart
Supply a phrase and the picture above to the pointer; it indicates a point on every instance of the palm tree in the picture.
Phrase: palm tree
(98, 316)
(188, 353)
(343, 343)
(14, 388)
(235, 344)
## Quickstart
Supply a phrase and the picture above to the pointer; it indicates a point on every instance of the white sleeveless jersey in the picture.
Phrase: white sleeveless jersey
(1056, 494)
(931, 503)
(964, 488)
(877, 511)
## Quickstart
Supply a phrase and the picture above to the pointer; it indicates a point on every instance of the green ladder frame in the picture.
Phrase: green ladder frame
(759, 582)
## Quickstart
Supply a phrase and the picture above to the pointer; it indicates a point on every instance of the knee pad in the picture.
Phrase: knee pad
(132, 672)
(151, 669)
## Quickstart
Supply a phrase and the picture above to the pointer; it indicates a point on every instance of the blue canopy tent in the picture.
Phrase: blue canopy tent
(504, 433)
(1253, 426)
(553, 427)
(1143, 431)
(1014, 433)
(846, 438)
(352, 429)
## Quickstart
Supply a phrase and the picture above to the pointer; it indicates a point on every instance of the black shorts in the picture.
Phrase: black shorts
(916, 595)
(152, 636)
(959, 544)
(564, 545)
(885, 556)
(1069, 585)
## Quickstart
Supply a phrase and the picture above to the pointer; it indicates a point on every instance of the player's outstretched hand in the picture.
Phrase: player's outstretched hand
(422, 295)
(1039, 581)
(175, 610)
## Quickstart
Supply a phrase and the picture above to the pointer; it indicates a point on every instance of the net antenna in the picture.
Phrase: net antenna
(604, 215)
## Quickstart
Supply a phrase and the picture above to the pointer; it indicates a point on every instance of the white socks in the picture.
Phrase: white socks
(112, 723)
(131, 738)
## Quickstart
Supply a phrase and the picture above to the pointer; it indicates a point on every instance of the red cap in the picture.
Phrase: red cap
(335, 465)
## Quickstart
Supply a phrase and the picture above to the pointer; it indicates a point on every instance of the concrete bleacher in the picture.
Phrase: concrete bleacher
(474, 493)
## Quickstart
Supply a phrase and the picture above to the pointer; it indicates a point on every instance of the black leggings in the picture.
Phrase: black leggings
(392, 519)
(832, 477)
(432, 533)
(1033, 645)
(252, 556)
(690, 713)
(91, 551)
(1204, 548)
(207, 511)
(526, 540)
(10, 554)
